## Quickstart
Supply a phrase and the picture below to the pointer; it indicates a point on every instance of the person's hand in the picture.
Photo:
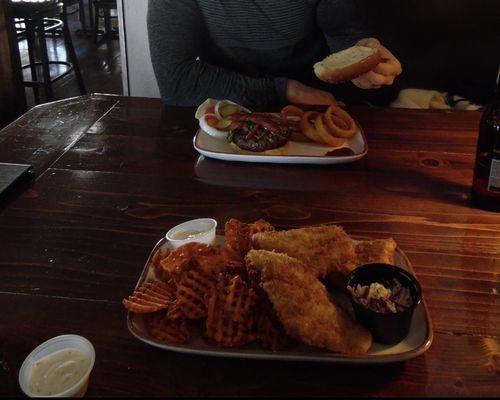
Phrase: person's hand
(298, 93)
(384, 73)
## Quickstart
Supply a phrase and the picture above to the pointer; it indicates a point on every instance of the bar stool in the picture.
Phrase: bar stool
(52, 25)
(37, 16)
(105, 6)
(80, 9)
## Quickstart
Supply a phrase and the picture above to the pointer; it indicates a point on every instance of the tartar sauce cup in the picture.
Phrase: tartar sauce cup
(386, 328)
(52, 346)
(201, 230)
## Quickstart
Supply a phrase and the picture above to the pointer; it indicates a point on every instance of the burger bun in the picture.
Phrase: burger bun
(347, 64)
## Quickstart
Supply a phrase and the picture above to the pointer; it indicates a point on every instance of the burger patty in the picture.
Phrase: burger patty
(267, 141)
(259, 136)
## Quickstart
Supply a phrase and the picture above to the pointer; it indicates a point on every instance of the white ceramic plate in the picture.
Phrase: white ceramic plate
(417, 342)
(292, 153)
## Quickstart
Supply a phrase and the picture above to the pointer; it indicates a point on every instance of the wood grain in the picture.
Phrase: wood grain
(49, 130)
(120, 172)
(126, 367)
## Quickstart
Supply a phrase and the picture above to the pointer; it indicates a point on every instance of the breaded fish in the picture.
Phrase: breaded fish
(324, 249)
(366, 252)
(303, 305)
(375, 251)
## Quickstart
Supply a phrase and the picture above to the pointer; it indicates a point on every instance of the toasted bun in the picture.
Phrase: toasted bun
(347, 64)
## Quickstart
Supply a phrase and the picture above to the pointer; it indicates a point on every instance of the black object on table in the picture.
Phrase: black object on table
(11, 175)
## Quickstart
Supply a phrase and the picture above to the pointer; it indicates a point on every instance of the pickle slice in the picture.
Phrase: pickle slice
(228, 109)
(223, 124)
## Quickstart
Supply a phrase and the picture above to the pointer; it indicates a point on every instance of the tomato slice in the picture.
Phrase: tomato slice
(212, 120)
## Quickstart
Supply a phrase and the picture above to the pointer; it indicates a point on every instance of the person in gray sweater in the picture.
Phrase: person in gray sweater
(255, 52)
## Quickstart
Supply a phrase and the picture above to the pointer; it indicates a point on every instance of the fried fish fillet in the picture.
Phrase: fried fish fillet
(324, 249)
(375, 251)
(303, 306)
(365, 252)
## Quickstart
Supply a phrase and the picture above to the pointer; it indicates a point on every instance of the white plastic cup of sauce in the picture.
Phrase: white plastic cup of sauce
(200, 230)
(70, 359)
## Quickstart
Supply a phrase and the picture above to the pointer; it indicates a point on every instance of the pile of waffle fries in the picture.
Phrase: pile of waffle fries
(206, 290)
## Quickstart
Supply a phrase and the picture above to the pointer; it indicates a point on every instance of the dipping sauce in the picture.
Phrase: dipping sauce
(385, 298)
(185, 235)
(58, 372)
(342, 152)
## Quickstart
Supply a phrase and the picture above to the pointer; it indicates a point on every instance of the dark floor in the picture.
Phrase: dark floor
(100, 64)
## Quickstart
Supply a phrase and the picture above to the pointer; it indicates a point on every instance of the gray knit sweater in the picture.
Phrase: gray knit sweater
(244, 50)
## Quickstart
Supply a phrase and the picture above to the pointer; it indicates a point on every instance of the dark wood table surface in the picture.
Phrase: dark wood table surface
(113, 174)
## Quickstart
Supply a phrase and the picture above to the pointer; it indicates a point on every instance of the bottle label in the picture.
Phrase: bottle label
(494, 181)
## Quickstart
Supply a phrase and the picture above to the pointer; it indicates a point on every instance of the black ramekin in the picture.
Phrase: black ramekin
(385, 328)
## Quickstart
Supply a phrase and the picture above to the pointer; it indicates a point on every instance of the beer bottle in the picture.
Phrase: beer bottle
(486, 184)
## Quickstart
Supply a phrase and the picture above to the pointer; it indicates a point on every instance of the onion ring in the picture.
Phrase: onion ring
(346, 129)
(325, 135)
(340, 122)
(291, 111)
(293, 124)
(307, 128)
(297, 135)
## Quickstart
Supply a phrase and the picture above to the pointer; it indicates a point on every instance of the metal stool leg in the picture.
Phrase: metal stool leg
(45, 60)
(107, 22)
(96, 22)
(91, 15)
(71, 53)
(81, 13)
(30, 40)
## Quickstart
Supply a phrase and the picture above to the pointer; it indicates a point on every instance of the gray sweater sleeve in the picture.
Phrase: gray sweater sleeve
(174, 29)
(343, 22)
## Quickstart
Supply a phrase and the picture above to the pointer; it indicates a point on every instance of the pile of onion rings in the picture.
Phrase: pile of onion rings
(332, 128)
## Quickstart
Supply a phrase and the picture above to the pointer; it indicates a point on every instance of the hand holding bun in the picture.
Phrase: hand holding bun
(384, 73)
(368, 65)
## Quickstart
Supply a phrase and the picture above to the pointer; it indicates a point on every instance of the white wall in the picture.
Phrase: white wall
(137, 71)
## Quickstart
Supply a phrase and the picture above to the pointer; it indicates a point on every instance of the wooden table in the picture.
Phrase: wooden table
(114, 173)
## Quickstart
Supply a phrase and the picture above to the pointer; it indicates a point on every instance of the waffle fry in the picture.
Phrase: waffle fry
(174, 311)
(271, 332)
(237, 240)
(230, 312)
(150, 297)
(169, 331)
(239, 301)
(179, 260)
(160, 273)
(238, 237)
(158, 256)
(215, 264)
(269, 329)
(192, 289)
